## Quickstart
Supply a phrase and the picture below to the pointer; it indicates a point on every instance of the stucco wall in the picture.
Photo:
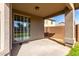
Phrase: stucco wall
(5, 18)
(36, 27)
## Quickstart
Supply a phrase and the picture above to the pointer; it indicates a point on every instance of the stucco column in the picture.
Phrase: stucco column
(5, 28)
(69, 27)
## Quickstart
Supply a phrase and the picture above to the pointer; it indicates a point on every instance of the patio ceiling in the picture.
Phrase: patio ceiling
(45, 9)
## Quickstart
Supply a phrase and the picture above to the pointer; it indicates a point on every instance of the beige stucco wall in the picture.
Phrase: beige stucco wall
(5, 28)
(36, 27)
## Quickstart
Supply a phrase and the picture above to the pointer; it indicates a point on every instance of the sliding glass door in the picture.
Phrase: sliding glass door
(21, 28)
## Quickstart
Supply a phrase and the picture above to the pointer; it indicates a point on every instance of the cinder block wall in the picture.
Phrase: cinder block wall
(60, 31)
(77, 32)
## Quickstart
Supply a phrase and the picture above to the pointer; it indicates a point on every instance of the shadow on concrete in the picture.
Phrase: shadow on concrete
(15, 49)
(56, 41)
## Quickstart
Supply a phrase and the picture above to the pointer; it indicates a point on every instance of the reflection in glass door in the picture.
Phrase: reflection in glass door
(21, 28)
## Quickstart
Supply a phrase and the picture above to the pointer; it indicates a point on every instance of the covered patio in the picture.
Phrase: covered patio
(36, 12)
(43, 11)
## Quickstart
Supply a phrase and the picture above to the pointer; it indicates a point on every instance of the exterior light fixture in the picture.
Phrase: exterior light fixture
(37, 8)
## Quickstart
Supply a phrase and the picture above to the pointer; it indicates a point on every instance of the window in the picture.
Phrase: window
(21, 28)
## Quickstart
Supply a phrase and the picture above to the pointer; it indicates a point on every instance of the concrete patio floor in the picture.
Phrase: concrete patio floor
(42, 47)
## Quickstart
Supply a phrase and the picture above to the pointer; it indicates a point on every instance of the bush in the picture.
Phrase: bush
(74, 50)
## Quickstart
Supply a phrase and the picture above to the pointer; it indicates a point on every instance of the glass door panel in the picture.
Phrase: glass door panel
(21, 28)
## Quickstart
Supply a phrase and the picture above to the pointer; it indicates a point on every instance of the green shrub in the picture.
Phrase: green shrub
(75, 50)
